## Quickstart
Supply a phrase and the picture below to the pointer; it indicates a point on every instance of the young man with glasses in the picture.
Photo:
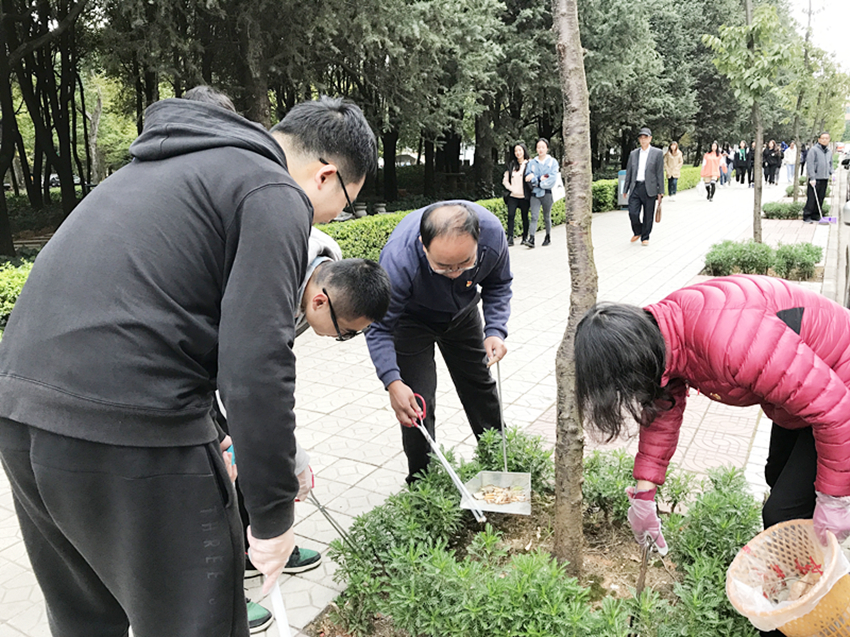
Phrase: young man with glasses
(442, 260)
(179, 275)
(362, 292)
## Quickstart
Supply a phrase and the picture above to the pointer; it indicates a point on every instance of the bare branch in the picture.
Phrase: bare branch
(28, 47)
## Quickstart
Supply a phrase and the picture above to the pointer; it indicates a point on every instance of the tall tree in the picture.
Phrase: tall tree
(569, 540)
(750, 56)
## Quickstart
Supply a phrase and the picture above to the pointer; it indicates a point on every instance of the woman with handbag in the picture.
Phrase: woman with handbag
(518, 193)
(673, 161)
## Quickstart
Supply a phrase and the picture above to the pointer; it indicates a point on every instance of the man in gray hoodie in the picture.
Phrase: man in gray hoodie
(177, 274)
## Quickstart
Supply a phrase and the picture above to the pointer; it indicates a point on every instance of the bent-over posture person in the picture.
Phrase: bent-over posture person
(740, 340)
(442, 260)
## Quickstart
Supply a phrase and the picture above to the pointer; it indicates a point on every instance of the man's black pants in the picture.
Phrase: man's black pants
(812, 209)
(128, 536)
(462, 344)
(792, 465)
(639, 199)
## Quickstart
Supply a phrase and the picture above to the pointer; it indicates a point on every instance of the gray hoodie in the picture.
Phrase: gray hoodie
(178, 273)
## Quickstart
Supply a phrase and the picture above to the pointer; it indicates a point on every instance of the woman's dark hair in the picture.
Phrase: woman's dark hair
(620, 356)
(513, 164)
(717, 152)
(542, 139)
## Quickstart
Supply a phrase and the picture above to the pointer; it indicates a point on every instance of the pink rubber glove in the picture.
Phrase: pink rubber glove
(832, 513)
(644, 520)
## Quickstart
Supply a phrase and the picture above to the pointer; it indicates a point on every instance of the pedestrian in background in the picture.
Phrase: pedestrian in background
(519, 191)
(710, 171)
(730, 163)
(673, 161)
(740, 162)
(724, 168)
(818, 170)
(772, 158)
(789, 158)
(542, 174)
(751, 165)
(644, 185)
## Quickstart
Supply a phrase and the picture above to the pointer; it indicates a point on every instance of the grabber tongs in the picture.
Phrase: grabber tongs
(464, 492)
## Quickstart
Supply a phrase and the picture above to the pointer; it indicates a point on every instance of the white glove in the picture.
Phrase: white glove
(306, 482)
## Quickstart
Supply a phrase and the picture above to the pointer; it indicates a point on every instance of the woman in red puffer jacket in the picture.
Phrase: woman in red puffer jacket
(740, 340)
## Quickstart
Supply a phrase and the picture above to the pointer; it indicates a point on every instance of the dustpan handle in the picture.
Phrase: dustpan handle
(502, 417)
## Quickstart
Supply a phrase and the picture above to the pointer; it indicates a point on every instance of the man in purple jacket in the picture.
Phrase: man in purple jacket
(441, 260)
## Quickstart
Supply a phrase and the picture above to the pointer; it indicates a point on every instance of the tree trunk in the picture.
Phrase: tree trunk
(578, 179)
(389, 140)
(795, 188)
(8, 133)
(757, 175)
(485, 142)
(428, 185)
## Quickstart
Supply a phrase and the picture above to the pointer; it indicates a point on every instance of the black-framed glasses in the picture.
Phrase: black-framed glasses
(340, 336)
(341, 183)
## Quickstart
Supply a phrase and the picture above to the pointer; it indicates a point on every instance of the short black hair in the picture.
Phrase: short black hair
(209, 95)
(542, 139)
(620, 356)
(464, 221)
(335, 130)
(361, 288)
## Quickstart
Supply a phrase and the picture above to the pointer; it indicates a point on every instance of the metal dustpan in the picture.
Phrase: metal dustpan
(513, 481)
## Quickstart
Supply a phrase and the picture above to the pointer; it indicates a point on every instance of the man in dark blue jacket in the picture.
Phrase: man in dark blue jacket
(178, 274)
(441, 260)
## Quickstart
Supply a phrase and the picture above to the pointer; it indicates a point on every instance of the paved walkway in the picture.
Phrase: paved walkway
(345, 421)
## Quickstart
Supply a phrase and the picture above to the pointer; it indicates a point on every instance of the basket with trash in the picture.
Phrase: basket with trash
(785, 579)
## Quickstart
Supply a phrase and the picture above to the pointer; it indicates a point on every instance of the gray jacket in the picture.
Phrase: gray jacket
(819, 162)
(654, 171)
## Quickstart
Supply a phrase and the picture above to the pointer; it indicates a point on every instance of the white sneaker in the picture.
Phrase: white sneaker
(673, 198)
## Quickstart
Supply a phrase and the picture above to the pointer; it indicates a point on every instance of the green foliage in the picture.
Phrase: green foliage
(689, 177)
(526, 454)
(364, 238)
(604, 195)
(406, 561)
(752, 70)
(783, 210)
(719, 522)
(12, 279)
(797, 261)
(606, 476)
(728, 257)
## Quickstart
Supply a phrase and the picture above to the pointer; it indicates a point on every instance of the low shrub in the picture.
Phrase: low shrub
(689, 177)
(412, 560)
(797, 260)
(789, 190)
(787, 209)
(791, 261)
(12, 279)
(604, 193)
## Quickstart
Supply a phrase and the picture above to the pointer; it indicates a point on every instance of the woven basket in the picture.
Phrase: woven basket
(787, 550)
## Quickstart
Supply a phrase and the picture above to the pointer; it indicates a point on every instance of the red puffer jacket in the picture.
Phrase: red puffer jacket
(745, 340)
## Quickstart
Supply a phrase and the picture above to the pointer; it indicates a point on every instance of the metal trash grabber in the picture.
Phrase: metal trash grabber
(279, 611)
(420, 425)
(342, 533)
(504, 479)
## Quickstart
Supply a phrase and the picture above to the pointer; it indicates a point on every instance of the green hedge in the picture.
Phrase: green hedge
(787, 210)
(787, 261)
(12, 279)
(688, 178)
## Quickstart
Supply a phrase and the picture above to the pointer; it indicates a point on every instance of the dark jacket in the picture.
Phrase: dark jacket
(434, 298)
(177, 273)
(654, 171)
(740, 158)
(772, 157)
